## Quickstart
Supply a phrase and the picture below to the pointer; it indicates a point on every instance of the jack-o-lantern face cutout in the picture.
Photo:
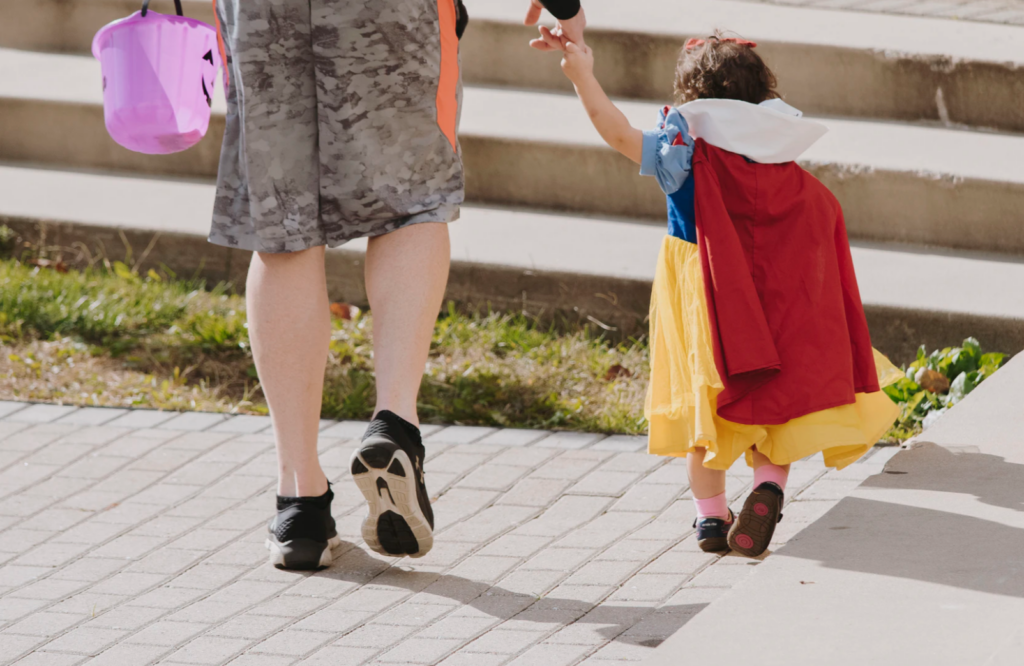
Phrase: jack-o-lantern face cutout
(206, 90)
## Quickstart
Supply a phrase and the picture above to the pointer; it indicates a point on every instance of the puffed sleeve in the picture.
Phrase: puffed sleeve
(668, 151)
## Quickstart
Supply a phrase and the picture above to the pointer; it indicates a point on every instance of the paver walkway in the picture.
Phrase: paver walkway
(136, 537)
(992, 11)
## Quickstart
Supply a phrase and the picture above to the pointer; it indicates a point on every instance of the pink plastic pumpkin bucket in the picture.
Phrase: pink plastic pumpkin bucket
(158, 78)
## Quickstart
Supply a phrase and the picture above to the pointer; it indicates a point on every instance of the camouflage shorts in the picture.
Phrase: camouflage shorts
(341, 121)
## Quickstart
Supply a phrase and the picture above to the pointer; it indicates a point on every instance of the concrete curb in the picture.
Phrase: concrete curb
(616, 304)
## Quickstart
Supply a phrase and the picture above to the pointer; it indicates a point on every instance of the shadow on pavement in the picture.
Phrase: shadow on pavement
(928, 466)
(894, 539)
(634, 624)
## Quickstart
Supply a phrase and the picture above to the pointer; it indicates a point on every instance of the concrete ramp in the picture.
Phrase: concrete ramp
(922, 564)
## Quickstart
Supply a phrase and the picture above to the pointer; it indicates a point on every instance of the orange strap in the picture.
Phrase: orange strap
(447, 87)
(220, 45)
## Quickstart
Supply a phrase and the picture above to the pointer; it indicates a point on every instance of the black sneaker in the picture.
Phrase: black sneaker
(753, 529)
(388, 468)
(713, 533)
(302, 533)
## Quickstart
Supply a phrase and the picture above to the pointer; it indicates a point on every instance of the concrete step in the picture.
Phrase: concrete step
(898, 183)
(828, 62)
(546, 264)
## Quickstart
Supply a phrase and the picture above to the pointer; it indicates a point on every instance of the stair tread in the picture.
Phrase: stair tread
(553, 117)
(987, 42)
(889, 275)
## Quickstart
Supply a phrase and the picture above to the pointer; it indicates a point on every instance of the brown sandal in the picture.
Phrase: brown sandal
(753, 529)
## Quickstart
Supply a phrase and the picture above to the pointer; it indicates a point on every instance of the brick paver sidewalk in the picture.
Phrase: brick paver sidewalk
(129, 538)
(993, 11)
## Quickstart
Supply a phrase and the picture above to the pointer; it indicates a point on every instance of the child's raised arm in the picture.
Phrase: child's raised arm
(578, 65)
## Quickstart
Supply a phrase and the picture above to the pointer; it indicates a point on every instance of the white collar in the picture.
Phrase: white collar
(771, 132)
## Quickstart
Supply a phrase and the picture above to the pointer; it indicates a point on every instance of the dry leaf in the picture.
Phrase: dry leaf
(617, 372)
(931, 380)
(344, 311)
(58, 266)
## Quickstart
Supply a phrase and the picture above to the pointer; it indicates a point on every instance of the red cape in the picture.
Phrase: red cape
(787, 322)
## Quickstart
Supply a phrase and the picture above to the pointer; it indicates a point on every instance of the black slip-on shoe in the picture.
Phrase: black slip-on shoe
(302, 533)
(753, 529)
(388, 468)
(713, 533)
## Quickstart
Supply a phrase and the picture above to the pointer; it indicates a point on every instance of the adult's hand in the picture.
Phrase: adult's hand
(567, 30)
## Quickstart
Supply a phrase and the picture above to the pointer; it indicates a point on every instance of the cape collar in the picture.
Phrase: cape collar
(771, 132)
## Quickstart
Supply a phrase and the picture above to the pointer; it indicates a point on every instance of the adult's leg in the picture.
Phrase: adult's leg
(406, 274)
(290, 329)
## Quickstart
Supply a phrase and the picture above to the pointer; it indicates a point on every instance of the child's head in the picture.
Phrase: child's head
(723, 68)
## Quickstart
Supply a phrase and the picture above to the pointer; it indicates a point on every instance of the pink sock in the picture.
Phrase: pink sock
(774, 473)
(712, 507)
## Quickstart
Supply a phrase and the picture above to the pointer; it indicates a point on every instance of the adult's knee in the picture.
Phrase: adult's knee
(289, 259)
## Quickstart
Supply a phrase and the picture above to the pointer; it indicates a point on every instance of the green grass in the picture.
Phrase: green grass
(106, 336)
(109, 337)
(501, 370)
(97, 306)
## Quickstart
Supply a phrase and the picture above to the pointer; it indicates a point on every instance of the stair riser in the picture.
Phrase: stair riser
(821, 80)
(553, 296)
(880, 206)
(66, 134)
(68, 26)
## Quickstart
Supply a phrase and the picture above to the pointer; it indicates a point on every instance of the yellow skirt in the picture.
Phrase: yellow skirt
(681, 398)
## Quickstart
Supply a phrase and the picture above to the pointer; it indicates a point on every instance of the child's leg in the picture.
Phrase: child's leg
(755, 525)
(765, 471)
(707, 486)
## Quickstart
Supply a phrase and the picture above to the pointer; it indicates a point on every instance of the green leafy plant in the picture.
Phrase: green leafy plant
(936, 382)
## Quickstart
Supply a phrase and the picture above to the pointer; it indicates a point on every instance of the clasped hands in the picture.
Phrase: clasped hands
(568, 30)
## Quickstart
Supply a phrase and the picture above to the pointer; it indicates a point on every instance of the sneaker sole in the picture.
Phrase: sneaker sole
(394, 525)
(755, 526)
(301, 554)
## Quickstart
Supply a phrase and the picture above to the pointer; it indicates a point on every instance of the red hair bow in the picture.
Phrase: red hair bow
(694, 43)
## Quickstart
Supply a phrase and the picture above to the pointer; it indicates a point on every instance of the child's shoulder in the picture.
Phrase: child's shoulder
(672, 121)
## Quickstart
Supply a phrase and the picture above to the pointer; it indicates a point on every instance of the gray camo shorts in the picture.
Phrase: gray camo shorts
(341, 123)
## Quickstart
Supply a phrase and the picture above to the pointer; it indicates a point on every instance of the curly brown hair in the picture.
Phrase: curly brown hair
(721, 68)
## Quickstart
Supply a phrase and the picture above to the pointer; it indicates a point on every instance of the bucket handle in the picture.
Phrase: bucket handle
(177, 6)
